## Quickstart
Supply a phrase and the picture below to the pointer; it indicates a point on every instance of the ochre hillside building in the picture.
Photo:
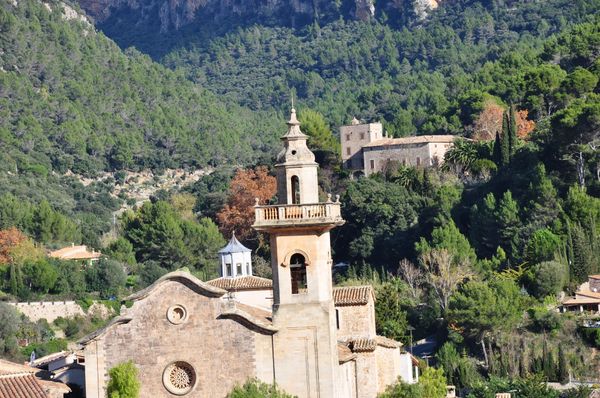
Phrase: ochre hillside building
(199, 339)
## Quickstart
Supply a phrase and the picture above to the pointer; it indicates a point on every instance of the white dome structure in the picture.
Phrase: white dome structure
(236, 259)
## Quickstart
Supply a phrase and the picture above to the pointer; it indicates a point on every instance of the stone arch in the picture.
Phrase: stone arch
(288, 257)
(295, 188)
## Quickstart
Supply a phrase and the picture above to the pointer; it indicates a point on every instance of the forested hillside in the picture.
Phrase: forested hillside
(72, 100)
(73, 104)
(416, 77)
(476, 252)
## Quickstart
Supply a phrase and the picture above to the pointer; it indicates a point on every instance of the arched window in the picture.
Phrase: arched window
(295, 190)
(298, 273)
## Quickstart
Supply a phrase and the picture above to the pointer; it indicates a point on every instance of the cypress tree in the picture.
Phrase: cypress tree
(569, 250)
(505, 141)
(512, 131)
(548, 362)
(581, 265)
(497, 155)
(563, 366)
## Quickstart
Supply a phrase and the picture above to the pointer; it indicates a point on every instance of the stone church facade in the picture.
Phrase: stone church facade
(199, 339)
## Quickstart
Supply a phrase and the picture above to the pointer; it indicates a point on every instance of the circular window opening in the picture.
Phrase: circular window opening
(179, 378)
(293, 152)
(177, 314)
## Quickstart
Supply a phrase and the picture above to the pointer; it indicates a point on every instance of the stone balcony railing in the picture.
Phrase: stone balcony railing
(328, 213)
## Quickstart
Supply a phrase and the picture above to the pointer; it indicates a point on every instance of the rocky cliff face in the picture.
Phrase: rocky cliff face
(172, 15)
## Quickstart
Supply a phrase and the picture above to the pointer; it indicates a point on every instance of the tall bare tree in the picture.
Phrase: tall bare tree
(413, 276)
(444, 273)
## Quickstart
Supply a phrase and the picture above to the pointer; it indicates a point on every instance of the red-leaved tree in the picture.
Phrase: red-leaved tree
(238, 213)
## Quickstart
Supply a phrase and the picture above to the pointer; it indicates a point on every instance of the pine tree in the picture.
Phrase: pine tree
(505, 141)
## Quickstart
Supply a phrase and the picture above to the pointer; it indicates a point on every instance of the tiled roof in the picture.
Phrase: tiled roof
(419, 139)
(588, 293)
(582, 301)
(8, 368)
(242, 283)
(49, 358)
(362, 345)
(352, 295)
(368, 345)
(20, 385)
(388, 343)
(75, 253)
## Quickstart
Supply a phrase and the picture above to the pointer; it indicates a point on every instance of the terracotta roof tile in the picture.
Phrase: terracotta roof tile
(9, 368)
(368, 344)
(21, 385)
(352, 295)
(242, 283)
(362, 345)
(577, 301)
(388, 343)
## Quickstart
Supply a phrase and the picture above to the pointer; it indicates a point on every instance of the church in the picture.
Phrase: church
(200, 339)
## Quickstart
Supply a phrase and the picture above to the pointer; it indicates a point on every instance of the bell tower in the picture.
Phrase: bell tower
(305, 345)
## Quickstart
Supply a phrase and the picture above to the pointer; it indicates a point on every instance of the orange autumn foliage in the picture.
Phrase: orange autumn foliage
(238, 213)
(488, 122)
(9, 239)
(524, 126)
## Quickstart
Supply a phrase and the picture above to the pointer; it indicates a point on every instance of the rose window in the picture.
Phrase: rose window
(177, 314)
(179, 378)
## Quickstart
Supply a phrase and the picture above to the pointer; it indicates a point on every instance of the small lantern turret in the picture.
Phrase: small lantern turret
(236, 259)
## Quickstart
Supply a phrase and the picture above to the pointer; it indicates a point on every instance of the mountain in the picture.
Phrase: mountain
(173, 15)
(74, 105)
(410, 72)
(72, 100)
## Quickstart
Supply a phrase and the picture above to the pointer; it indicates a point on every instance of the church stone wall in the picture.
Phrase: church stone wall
(356, 321)
(221, 351)
(388, 366)
(366, 375)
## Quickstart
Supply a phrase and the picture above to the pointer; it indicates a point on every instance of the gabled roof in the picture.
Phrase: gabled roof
(419, 139)
(234, 246)
(352, 295)
(41, 361)
(8, 368)
(249, 282)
